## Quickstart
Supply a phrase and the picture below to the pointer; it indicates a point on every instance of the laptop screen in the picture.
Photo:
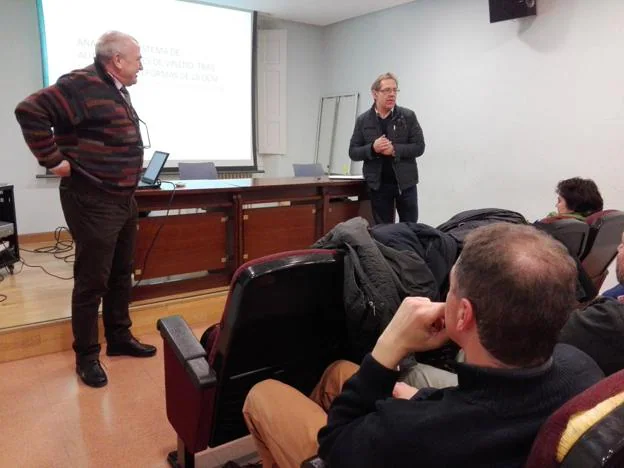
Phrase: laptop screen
(155, 166)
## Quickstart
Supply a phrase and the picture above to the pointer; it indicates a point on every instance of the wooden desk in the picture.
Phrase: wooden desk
(230, 222)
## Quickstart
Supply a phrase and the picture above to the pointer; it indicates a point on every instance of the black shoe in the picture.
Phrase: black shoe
(130, 347)
(92, 374)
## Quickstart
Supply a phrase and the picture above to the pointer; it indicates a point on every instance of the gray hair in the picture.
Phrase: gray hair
(111, 43)
(386, 76)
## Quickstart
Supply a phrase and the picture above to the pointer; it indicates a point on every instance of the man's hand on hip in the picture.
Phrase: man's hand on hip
(418, 325)
(62, 170)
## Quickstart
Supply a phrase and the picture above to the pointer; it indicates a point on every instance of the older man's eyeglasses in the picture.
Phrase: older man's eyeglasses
(389, 91)
(144, 134)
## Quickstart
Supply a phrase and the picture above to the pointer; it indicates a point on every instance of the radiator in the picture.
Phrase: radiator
(236, 175)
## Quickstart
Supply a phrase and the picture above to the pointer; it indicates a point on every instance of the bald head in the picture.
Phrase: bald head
(113, 43)
(120, 55)
(521, 284)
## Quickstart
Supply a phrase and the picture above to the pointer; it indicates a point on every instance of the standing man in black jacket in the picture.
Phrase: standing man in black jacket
(388, 139)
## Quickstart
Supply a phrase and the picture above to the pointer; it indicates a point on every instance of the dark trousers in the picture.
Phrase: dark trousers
(104, 232)
(384, 201)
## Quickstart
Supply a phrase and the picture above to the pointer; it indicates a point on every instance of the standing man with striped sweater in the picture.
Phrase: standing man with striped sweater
(85, 130)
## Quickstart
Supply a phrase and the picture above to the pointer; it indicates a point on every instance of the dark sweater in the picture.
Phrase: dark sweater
(490, 419)
(598, 330)
(84, 119)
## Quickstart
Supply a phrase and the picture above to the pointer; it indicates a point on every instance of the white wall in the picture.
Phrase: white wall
(38, 206)
(305, 74)
(507, 109)
(37, 201)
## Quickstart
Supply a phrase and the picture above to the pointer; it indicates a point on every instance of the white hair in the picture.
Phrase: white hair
(112, 43)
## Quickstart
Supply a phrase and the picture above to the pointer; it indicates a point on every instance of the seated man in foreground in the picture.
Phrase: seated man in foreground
(509, 296)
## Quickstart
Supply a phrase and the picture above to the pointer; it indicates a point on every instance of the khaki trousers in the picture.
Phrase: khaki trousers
(284, 422)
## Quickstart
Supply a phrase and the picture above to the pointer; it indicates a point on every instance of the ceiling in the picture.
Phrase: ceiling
(316, 12)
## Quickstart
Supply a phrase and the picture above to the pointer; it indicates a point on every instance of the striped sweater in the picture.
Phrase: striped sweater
(84, 119)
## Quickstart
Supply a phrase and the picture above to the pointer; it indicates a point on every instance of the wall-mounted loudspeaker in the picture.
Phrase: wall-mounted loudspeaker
(501, 10)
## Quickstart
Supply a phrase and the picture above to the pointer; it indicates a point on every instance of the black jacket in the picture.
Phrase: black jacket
(405, 134)
(460, 225)
(489, 420)
(437, 249)
(376, 279)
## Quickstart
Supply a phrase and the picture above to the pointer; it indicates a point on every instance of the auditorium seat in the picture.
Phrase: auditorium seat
(586, 432)
(284, 319)
(605, 234)
(571, 232)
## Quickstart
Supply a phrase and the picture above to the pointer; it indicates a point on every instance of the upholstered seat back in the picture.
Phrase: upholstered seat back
(284, 319)
(586, 432)
(572, 233)
(605, 234)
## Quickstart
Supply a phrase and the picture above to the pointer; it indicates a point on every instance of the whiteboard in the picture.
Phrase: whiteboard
(325, 132)
(336, 121)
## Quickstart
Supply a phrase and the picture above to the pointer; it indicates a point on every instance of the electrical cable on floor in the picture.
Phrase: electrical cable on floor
(60, 246)
(23, 264)
(43, 269)
(3, 297)
(149, 250)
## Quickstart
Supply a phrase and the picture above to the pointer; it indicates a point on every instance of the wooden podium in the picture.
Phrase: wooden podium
(196, 236)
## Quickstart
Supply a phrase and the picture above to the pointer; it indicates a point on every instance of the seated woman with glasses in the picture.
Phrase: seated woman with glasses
(576, 198)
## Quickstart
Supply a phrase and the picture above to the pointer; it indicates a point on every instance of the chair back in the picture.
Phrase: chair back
(308, 170)
(586, 432)
(572, 233)
(605, 235)
(284, 319)
(197, 170)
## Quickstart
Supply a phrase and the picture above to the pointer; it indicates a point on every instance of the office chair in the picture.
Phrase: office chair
(197, 170)
(308, 170)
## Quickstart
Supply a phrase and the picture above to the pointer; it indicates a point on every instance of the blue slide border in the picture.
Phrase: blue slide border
(44, 46)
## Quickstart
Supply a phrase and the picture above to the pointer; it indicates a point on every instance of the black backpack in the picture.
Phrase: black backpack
(462, 223)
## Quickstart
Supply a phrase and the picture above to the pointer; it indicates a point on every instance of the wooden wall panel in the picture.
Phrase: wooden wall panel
(271, 230)
(181, 244)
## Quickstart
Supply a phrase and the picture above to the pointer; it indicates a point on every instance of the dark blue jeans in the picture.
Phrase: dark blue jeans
(384, 201)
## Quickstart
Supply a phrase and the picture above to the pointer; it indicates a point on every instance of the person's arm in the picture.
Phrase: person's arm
(415, 145)
(354, 431)
(38, 115)
(357, 423)
(359, 149)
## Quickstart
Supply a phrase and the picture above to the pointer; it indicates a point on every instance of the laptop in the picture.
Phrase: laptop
(149, 179)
